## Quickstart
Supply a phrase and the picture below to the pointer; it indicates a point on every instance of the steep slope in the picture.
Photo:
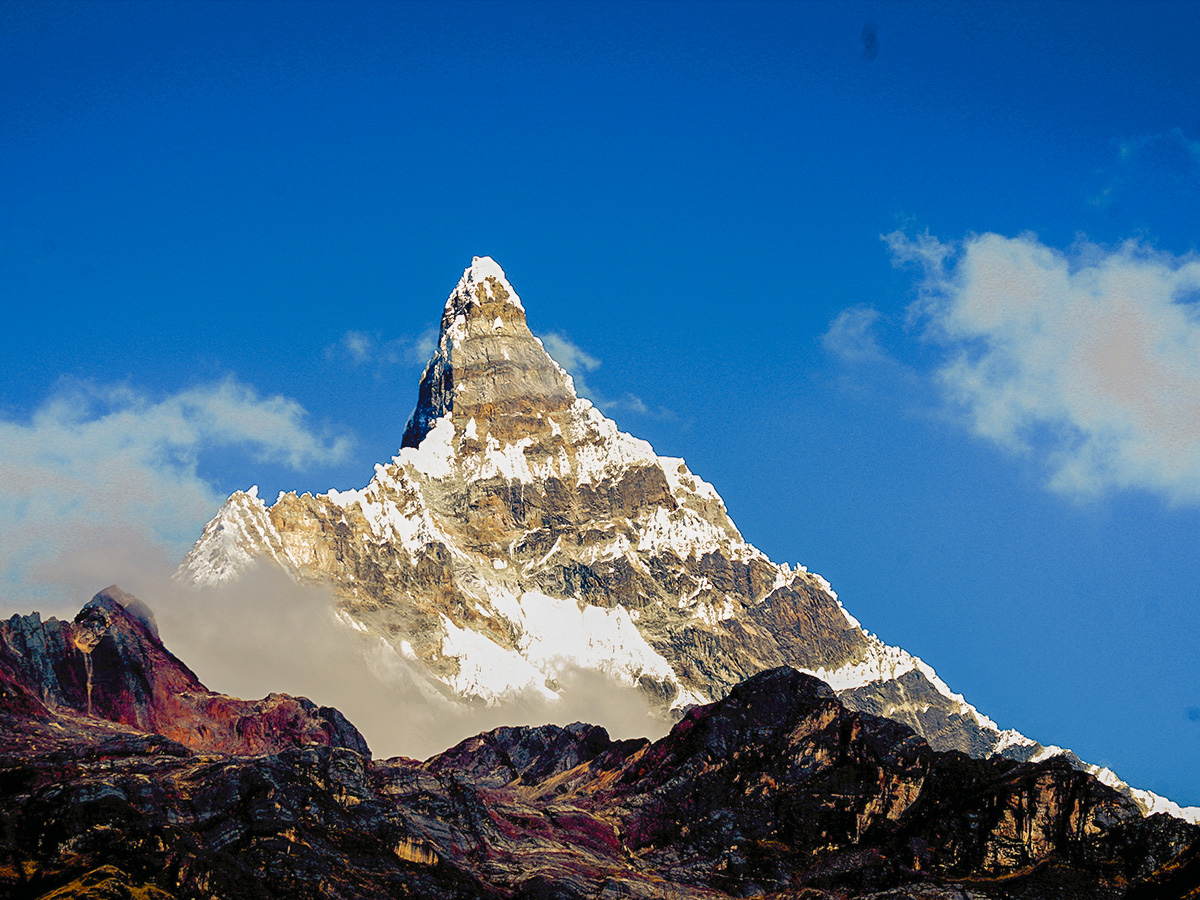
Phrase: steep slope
(519, 534)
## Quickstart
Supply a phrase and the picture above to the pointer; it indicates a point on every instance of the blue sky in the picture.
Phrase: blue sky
(927, 320)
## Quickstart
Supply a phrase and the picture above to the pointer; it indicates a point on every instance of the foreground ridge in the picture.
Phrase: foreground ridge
(109, 665)
(776, 790)
(519, 535)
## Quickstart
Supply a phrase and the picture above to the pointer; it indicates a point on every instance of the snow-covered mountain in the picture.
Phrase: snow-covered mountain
(519, 535)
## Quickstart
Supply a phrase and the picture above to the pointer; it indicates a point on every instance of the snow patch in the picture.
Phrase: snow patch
(683, 482)
(481, 269)
(409, 525)
(553, 636)
(435, 457)
(1152, 804)
(685, 533)
(603, 451)
(485, 669)
(239, 534)
(349, 621)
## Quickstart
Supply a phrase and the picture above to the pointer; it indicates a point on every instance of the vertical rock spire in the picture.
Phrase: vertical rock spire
(488, 365)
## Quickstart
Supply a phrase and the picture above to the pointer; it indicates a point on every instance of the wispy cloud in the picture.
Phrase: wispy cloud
(1089, 357)
(370, 349)
(103, 479)
(577, 361)
(570, 356)
(851, 335)
(358, 345)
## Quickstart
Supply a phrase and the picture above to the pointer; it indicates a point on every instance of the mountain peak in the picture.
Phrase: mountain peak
(488, 365)
(520, 535)
(486, 274)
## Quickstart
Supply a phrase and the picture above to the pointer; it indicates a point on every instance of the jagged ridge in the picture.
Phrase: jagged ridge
(777, 789)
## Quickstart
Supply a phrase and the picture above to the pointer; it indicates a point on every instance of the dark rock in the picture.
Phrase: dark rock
(778, 790)
(528, 755)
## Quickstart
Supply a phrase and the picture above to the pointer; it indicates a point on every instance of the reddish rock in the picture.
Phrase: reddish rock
(109, 663)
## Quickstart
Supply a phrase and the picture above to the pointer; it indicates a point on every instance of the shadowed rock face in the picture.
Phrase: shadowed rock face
(777, 790)
(110, 664)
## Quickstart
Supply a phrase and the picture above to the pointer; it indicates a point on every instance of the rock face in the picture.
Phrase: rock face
(518, 534)
(488, 365)
(777, 790)
(109, 664)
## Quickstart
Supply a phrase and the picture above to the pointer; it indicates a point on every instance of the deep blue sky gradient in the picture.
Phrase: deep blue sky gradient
(689, 192)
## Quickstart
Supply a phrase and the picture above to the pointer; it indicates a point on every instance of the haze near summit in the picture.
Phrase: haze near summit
(235, 222)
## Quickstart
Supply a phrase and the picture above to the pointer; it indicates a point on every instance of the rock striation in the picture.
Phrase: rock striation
(519, 535)
(778, 790)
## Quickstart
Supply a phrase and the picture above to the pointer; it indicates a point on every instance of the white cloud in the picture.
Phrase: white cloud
(359, 345)
(102, 481)
(569, 355)
(851, 335)
(422, 348)
(1090, 356)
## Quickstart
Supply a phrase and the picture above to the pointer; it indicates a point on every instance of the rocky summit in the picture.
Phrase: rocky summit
(776, 791)
(520, 535)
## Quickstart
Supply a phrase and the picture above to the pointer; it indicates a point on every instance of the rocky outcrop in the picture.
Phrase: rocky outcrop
(1178, 879)
(110, 664)
(780, 785)
(778, 790)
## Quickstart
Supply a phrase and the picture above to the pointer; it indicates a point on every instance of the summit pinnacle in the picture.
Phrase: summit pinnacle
(488, 365)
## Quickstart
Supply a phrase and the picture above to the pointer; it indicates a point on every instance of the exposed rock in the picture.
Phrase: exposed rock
(107, 883)
(488, 365)
(778, 790)
(109, 663)
(1177, 879)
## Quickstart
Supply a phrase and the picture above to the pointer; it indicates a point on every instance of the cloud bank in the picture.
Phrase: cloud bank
(265, 633)
(1089, 356)
(101, 482)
